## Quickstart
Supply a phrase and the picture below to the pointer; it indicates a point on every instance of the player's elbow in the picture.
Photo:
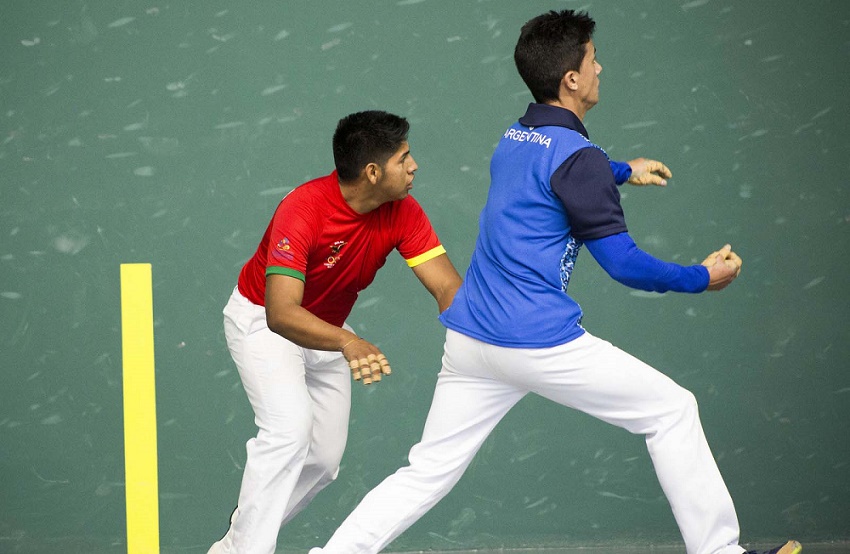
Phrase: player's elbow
(450, 291)
(445, 294)
(279, 320)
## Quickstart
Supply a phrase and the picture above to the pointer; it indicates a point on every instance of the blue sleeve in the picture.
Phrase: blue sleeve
(621, 258)
(621, 170)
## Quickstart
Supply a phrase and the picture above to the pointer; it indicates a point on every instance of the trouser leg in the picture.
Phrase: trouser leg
(480, 382)
(597, 378)
(329, 385)
(283, 392)
(465, 408)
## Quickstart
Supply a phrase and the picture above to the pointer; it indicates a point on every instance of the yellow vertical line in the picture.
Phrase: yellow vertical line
(140, 456)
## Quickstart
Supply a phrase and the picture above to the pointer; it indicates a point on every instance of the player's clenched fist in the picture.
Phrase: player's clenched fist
(723, 266)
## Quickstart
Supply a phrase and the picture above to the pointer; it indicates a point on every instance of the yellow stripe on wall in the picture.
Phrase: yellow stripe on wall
(140, 456)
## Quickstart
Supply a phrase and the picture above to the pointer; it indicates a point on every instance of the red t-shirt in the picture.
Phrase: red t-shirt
(316, 237)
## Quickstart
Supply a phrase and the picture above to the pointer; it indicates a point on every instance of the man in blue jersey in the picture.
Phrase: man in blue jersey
(513, 329)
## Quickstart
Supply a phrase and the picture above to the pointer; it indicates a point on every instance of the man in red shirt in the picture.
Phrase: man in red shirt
(285, 321)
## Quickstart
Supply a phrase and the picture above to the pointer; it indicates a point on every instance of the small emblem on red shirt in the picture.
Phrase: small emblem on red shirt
(282, 250)
(335, 255)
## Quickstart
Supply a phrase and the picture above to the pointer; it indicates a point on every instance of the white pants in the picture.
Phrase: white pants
(301, 400)
(480, 382)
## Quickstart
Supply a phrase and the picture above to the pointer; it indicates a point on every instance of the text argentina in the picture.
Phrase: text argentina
(528, 136)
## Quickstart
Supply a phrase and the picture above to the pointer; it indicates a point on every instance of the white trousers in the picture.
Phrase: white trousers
(480, 382)
(301, 400)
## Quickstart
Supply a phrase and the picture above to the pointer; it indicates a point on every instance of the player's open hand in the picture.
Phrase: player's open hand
(723, 267)
(366, 361)
(648, 172)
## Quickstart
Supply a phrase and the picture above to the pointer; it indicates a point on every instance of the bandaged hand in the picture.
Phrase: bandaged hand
(648, 172)
(366, 361)
(723, 266)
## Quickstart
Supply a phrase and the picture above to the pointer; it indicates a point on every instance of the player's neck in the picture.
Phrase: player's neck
(570, 103)
(358, 196)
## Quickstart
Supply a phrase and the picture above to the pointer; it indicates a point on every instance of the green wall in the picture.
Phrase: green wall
(167, 132)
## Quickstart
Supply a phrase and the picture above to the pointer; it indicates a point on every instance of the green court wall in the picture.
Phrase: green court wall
(166, 133)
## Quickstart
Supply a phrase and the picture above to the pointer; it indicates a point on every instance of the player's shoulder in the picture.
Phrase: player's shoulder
(311, 196)
(402, 214)
(305, 205)
(313, 187)
(590, 155)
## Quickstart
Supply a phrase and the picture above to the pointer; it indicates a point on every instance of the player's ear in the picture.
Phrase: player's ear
(570, 80)
(372, 172)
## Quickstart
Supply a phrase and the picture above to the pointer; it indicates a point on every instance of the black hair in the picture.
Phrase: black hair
(548, 47)
(366, 137)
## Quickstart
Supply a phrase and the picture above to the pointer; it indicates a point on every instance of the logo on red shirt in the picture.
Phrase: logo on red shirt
(335, 256)
(282, 250)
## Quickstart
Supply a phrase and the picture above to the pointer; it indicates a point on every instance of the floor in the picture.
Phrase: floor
(10, 545)
(820, 548)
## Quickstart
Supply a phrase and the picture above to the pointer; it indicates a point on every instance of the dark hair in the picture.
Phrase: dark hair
(548, 47)
(366, 137)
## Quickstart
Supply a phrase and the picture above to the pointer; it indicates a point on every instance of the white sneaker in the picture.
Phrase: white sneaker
(316, 550)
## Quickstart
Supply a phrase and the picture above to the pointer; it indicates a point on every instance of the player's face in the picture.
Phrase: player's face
(589, 76)
(397, 174)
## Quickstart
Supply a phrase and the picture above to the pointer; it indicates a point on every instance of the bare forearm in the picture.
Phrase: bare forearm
(301, 327)
(440, 278)
(446, 295)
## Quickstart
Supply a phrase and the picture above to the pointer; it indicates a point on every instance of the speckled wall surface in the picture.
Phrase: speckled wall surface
(167, 133)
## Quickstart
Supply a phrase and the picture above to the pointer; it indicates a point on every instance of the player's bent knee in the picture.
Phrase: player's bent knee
(331, 474)
(325, 459)
(286, 437)
(329, 468)
(686, 403)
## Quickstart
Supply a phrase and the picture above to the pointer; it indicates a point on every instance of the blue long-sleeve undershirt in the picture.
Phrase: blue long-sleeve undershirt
(621, 258)
(621, 170)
